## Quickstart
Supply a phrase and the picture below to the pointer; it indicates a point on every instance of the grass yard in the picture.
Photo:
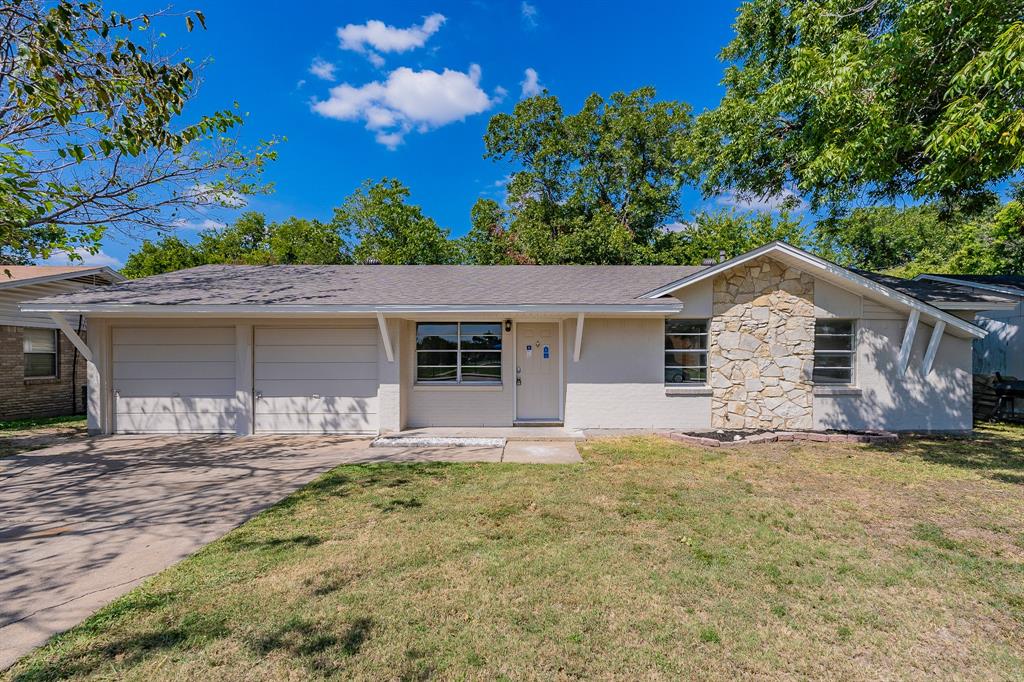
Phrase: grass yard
(650, 560)
(20, 435)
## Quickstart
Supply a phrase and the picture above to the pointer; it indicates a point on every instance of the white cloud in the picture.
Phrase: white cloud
(749, 202)
(322, 69)
(208, 194)
(375, 37)
(100, 258)
(408, 100)
(205, 224)
(678, 226)
(529, 13)
(530, 84)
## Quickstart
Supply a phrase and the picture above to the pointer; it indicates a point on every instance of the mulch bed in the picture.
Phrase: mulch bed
(723, 438)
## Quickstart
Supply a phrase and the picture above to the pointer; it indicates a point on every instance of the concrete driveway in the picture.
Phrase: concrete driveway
(83, 523)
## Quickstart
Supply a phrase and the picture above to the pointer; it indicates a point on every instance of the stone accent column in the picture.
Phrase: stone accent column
(761, 348)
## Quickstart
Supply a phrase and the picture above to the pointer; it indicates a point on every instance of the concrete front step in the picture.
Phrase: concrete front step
(436, 442)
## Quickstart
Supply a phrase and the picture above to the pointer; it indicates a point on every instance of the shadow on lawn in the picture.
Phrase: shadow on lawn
(315, 642)
(995, 452)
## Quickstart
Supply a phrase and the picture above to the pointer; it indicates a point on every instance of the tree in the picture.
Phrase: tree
(93, 133)
(927, 238)
(251, 240)
(716, 234)
(593, 187)
(488, 242)
(883, 98)
(382, 227)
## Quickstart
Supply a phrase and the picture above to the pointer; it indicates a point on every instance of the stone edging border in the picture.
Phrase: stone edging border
(771, 437)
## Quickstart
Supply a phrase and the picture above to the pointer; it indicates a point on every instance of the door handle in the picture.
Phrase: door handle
(519, 381)
(259, 394)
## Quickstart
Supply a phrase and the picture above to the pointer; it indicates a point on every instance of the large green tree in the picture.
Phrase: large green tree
(728, 233)
(381, 226)
(94, 131)
(591, 187)
(876, 98)
(251, 240)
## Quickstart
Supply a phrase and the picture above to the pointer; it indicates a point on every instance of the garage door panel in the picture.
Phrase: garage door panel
(329, 404)
(175, 353)
(297, 336)
(316, 380)
(173, 388)
(178, 422)
(165, 405)
(355, 353)
(190, 336)
(174, 370)
(309, 387)
(306, 371)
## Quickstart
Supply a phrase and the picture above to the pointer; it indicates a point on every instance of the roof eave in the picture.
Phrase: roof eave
(112, 274)
(181, 310)
(836, 270)
(984, 286)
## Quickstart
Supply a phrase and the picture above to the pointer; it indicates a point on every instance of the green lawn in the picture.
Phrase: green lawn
(650, 560)
(37, 422)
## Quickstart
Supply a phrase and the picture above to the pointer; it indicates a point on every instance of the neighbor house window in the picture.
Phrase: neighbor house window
(833, 351)
(458, 352)
(686, 351)
(40, 347)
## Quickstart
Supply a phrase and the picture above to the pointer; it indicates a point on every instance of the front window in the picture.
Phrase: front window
(833, 351)
(40, 348)
(458, 352)
(686, 352)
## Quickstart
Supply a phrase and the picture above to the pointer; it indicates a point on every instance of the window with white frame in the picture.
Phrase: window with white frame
(686, 352)
(458, 352)
(40, 348)
(834, 350)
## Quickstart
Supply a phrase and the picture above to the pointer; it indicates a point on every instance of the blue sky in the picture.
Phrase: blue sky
(405, 89)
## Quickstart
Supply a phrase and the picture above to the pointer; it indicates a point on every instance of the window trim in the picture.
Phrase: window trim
(705, 350)
(458, 382)
(852, 353)
(55, 353)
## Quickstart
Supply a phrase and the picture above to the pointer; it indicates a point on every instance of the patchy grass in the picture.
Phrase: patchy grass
(650, 560)
(37, 422)
(22, 435)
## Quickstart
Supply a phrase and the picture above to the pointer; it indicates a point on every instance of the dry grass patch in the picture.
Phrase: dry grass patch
(651, 559)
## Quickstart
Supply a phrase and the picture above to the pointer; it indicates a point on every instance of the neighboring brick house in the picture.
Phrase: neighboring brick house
(41, 373)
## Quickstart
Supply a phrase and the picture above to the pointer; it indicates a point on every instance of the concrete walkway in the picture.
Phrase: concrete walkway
(83, 523)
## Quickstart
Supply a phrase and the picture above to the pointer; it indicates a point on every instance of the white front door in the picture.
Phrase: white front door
(537, 361)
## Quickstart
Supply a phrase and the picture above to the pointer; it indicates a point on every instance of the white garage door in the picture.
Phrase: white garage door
(315, 380)
(179, 380)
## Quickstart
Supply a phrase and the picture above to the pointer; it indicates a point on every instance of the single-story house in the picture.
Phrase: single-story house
(776, 338)
(1002, 350)
(41, 373)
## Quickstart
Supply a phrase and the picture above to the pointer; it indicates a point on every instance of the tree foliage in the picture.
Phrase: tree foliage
(251, 240)
(726, 234)
(592, 187)
(381, 226)
(883, 98)
(92, 135)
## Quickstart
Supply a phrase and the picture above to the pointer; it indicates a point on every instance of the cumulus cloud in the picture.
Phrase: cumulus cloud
(375, 37)
(530, 84)
(205, 224)
(408, 100)
(529, 13)
(678, 226)
(98, 259)
(322, 69)
(749, 202)
(208, 194)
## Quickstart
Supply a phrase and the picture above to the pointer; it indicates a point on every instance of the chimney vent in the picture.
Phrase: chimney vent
(721, 256)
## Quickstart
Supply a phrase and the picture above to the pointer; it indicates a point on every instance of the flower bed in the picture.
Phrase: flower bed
(721, 438)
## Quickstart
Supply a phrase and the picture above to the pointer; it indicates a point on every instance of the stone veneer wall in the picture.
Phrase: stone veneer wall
(761, 348)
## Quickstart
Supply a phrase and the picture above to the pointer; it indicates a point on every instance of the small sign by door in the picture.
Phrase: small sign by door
(529, 351)
(547, 353)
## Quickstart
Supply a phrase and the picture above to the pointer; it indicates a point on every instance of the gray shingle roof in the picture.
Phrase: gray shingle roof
(935, 292)
(1010, 281)
(389, 285)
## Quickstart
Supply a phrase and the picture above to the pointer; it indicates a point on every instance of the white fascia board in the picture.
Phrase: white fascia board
(143, 310)
(1009, 291)
(813, 262)
(103, 270)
